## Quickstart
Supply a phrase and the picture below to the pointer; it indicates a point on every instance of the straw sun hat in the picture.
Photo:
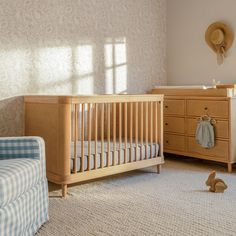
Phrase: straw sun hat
(220, 38)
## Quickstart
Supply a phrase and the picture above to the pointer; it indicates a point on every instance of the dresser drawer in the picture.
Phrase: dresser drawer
(221, 128)
(218, 153)
(174, 107)
(174, 142)
(174, 124)
(212, 108)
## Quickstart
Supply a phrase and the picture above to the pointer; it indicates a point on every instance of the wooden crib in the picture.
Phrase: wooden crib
(89, 137)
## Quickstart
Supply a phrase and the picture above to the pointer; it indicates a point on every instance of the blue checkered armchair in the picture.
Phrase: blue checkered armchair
(23, 186)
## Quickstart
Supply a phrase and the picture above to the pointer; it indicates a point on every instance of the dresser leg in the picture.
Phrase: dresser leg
(158, 169)
(64, 190)
(230, 167)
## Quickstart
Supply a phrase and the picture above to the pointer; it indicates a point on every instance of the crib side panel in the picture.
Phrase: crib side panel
(51, 120)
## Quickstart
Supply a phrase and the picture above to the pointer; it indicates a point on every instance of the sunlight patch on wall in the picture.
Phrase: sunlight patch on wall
(120, 53)
(121, 79)
(109, 81)
(54, 67)
(83, 63)
(116, 65)
(109, 55)
(15, 68)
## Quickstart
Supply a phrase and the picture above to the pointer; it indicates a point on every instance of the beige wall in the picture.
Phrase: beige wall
(81, 46)
(190, 60)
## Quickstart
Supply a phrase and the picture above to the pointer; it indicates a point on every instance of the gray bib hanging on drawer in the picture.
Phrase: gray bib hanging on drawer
(205, 134)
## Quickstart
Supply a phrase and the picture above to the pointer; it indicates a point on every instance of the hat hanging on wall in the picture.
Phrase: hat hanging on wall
(220, 38)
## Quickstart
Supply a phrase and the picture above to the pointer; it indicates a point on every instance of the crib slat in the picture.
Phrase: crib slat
(95, 133)
(125, 115)
(102, 135)
(108, 132)
(82, 139)
(114, 134)
(89, 136)
(160, 128)
(136, 131)
(141, 131)
(151, 128)
(120, 132)
(146, 129)
(131, 132)
(75, 133)
(156, 128)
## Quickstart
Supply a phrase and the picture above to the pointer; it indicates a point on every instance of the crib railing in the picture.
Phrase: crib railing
(114, 124)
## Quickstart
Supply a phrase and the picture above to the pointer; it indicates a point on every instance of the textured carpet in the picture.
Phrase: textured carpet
(176, 202)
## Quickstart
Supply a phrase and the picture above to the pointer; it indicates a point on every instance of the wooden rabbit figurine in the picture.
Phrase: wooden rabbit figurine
(216, 185)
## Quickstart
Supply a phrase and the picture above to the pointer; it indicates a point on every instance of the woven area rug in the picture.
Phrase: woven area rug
(176, 202)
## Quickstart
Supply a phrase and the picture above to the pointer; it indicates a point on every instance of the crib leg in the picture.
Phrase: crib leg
(230, 167)
(158, 169)
(64, 190)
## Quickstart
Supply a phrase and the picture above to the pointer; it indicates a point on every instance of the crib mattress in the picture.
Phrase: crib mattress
(152, 148)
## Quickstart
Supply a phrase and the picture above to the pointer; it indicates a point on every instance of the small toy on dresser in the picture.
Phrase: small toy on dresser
(216, 185)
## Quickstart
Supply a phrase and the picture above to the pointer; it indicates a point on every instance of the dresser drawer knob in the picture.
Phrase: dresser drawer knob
(166, 106)
(167, 141)
(166, 123)
(206, 108)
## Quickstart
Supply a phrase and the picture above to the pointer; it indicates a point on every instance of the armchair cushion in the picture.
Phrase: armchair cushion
(24, 147)
(16, 177)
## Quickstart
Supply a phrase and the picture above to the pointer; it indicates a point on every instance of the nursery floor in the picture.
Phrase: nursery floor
(176, 202)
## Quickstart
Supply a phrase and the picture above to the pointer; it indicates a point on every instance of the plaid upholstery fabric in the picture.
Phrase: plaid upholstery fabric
(25, 215)
(23, 186)
(16, 177)
(24, 147)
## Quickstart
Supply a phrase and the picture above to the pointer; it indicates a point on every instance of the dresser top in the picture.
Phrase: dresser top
(192, 91)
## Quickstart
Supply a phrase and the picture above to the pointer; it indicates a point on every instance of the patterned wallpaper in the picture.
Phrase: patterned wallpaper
(11, 117)
(81, 46)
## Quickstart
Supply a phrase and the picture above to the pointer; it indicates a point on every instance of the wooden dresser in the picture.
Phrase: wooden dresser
(183, 107)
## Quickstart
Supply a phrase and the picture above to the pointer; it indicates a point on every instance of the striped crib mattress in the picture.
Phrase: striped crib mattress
(152, 152)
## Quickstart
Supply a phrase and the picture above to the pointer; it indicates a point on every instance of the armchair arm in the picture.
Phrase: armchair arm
(23, 147)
